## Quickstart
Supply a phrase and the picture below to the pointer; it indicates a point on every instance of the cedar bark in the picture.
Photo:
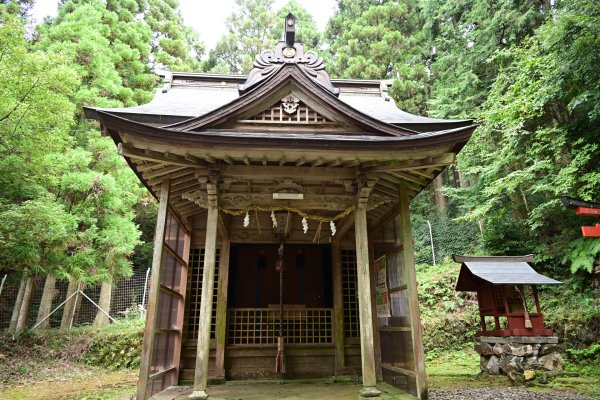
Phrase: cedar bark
(26, 304)
(104, 303)
(440, 200)
(69, 306)
(46, 303)
(17, 306)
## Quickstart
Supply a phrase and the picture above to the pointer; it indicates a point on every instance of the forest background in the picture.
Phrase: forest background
(525, 70)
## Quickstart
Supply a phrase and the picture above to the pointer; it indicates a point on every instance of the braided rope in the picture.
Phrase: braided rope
(291, 209)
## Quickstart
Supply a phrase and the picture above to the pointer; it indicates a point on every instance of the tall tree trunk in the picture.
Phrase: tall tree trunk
(440, 200)
(104, 303)
(463, 182)
(69, 307)
(26, 304)
(18, 303)
(46, 303)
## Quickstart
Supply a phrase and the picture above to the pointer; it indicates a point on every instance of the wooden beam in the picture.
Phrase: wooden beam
(413, 298)
(242, 172)
(223, 230)
(242, 200)
(317, 162)
(172, 177)
(246, 160)
(163, 171)
(143, 391)
(441, 161)
(210, 159)
(127, 150)
(408, 177)
(301, 161)
(228, 160)
(208, 281)
(147, 166)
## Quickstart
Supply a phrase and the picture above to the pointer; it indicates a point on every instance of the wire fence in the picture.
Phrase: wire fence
(129, 297)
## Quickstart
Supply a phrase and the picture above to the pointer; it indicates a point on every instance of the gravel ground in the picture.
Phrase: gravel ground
(499, 393)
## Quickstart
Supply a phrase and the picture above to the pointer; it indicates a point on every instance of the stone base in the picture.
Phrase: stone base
(198, 395)
(518, 357)
(370, 392)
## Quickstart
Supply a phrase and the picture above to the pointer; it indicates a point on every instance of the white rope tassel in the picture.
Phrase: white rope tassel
(332, 228)
(246, 220)
(274, 219)
(304, 225)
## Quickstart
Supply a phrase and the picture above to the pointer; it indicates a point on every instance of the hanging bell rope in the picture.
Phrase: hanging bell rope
(280, 367)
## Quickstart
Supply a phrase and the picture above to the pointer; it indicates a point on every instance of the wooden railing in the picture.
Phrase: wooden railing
(261, 325)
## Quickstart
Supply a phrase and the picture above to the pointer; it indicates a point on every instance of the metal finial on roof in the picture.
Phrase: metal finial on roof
(290, 29)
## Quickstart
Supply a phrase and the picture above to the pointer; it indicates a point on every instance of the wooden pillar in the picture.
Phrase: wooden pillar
(338, 308)
(367, 349)
(208, 280)
(46, 303)
(143, 391)
(222, 287)
(413, 297)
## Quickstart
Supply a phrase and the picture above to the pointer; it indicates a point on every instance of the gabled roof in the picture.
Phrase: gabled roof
(498, 271)
(188, 95)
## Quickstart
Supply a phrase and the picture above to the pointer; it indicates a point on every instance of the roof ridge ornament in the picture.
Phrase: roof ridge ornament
(288, 52)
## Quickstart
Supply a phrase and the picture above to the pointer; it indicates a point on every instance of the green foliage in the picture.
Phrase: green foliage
(449, 318)
(253, 27)
(174, 45)
(116, 348)
(378, 40)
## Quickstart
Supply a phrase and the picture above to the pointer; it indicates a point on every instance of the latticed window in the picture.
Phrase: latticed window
(349, 287)
(299, 114)
(194, 294)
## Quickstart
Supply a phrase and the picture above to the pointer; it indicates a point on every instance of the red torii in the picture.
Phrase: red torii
(586, 209)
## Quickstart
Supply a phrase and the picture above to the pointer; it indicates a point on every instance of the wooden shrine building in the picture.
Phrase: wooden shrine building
(285, 156)
(506, 293)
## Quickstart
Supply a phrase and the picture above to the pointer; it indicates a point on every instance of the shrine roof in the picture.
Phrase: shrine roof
(187, 95)
(498, 271)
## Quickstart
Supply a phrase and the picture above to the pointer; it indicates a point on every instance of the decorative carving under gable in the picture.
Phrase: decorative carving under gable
(269, 62)
(290, 103)
(289, 110)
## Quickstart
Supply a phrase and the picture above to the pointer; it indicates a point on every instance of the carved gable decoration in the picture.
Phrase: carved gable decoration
(269, 62)
(289, 110)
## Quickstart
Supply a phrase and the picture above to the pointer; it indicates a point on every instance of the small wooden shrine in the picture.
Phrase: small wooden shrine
(506, 293)
(584, 209)
(283, 167)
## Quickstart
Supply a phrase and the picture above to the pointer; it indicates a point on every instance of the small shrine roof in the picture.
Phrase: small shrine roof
(498, 271)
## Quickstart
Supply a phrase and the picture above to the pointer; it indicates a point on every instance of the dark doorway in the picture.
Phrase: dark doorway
(254, 281)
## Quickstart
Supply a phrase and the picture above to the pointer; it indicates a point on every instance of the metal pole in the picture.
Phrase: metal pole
(145, 290)
(53, 311)
(2, 284)
(431, 238)
(97, 306)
